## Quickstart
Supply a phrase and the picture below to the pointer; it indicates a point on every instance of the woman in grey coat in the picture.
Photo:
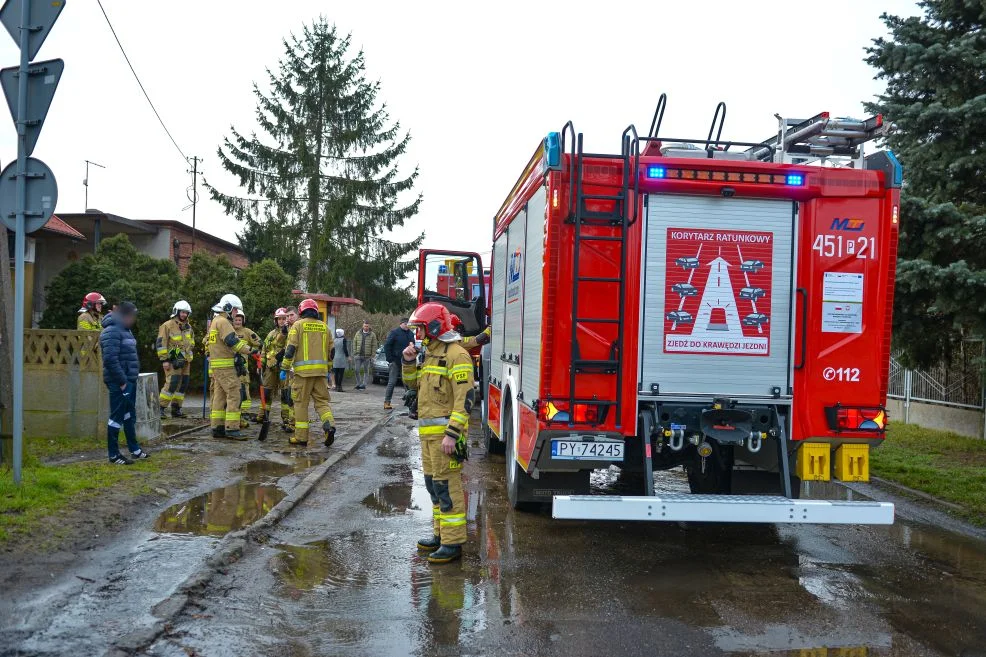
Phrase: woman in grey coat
(340, 358)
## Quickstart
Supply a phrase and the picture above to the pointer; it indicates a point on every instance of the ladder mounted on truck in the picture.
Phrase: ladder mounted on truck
(800, 141)
(621, 217)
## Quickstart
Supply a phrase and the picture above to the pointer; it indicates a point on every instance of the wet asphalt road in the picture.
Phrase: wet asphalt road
(340, 576)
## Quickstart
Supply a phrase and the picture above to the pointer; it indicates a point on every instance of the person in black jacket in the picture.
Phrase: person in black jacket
(397, 341)
(120, 369)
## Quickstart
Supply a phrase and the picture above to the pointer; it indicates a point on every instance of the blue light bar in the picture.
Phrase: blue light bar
(656, 172)
(552, 150)
(797, 179)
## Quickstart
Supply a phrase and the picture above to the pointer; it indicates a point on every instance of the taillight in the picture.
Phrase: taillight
(850, 418)
(581, 414)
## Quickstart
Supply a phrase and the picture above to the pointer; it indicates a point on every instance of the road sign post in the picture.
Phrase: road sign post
(29, 26)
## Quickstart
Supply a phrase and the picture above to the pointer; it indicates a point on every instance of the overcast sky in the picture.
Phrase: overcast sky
(478, 86)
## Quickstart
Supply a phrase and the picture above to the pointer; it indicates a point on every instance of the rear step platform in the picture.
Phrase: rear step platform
(721, 508)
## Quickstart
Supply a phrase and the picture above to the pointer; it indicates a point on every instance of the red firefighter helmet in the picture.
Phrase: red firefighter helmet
(308, 304)
(433, 319)
(91, 299)
(280, 312)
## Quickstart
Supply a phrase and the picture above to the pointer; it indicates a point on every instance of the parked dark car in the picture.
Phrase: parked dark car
(381, 368)
(687, 263)
(679, 316)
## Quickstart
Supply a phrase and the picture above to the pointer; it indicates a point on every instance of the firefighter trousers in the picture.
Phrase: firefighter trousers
(175, 386)
(274, 388)
(246, 403)
(443, 480)
(303, 390)
(225, 409)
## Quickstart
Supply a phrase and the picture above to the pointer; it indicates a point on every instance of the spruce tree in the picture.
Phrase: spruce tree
(321, 174)
(935, 102)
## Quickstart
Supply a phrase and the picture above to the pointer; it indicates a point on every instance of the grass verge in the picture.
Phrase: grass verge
(48, 491)
(943, 464)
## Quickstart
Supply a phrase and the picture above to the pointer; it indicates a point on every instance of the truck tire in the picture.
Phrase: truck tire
(519, 483)
(718, 476)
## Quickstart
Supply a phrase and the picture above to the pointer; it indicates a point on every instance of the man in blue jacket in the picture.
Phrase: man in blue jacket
(120, 369)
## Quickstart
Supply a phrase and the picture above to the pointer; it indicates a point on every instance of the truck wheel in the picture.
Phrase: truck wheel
(718, 476)
(493, 444)
(519, 483)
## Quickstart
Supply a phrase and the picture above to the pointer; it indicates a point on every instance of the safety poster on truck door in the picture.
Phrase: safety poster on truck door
(718, 291)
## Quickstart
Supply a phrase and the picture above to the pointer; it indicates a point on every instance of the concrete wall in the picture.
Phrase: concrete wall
(64, 393)
(963, 421)
(68, 402)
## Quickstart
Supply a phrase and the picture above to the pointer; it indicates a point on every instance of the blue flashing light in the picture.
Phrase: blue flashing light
(656, 172)
(552, 150)
(796, 179)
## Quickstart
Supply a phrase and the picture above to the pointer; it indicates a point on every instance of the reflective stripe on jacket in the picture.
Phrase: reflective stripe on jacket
(174, 335)
(443, 382)
(89, 321)
(220, 353)
(307, 349)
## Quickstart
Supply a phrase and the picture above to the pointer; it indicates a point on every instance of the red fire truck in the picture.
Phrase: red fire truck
(715, 305)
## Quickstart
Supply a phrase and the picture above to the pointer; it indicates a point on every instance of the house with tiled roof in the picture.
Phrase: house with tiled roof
(69, 236)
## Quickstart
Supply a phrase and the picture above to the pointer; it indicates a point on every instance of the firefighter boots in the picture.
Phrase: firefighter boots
(445, 554)
(330, 433)
(218, 432)
(176, 411)
(429, 544)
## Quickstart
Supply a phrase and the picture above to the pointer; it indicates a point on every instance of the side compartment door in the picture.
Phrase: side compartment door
(458, 281)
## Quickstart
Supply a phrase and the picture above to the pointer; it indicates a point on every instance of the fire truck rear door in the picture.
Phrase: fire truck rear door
(717, 297)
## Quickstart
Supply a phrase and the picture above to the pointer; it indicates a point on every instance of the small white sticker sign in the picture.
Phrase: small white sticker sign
(842, 303)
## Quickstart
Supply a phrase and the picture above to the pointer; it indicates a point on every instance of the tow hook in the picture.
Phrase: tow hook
(755, 441)
(676, 439)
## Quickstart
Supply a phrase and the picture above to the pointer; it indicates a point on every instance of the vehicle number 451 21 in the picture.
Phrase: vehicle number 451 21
(844, 374)
(837, 246)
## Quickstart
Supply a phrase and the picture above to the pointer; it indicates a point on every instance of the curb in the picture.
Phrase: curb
(231, 547)
(900, 488)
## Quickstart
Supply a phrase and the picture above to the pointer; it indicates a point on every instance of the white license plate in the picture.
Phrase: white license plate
(574, 450)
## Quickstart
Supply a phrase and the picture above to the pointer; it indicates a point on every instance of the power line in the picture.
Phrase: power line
(139, 83)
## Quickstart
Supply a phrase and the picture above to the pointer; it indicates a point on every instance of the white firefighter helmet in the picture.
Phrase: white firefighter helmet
(181, 306)
(228, 303)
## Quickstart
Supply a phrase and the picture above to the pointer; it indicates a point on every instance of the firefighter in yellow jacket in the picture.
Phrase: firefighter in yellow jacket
(174, 347)
(307, 355)
(224, 345)
(243, 365)
(445, 396)
(272, 355)
(91, 319)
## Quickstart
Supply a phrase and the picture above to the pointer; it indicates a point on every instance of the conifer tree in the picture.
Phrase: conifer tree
(321, 174)
(935, 102)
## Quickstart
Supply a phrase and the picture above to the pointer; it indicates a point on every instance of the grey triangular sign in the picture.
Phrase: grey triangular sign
(44, 13)
(42, 81)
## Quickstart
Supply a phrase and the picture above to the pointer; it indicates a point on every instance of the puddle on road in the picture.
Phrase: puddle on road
(389, 499)
(395, 447)
(220, 511)
(337, 562)
(236, 506)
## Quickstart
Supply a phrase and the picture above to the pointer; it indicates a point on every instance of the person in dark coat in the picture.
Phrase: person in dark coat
(121, 367)
(397, 340)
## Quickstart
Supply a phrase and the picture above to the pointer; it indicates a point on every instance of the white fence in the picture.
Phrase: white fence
(958, 384)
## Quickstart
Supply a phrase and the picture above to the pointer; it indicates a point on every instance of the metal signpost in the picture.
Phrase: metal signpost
(29, 89)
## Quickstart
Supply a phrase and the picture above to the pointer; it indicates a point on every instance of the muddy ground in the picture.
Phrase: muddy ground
(114, 558)
(341, 576)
